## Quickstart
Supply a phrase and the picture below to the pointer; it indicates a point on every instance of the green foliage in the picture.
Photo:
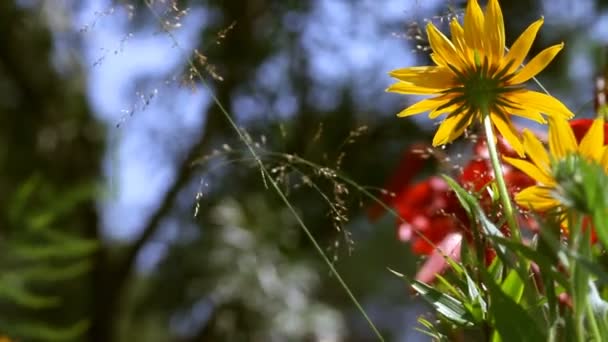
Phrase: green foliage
(584, 189)
(545, 289)
(449, 307)
(37, 256)
(509, 315)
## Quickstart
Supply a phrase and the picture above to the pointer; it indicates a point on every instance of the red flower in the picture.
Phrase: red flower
(430, 215)
(429, 212)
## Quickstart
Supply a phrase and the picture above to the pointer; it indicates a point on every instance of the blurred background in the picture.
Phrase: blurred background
(131, 210)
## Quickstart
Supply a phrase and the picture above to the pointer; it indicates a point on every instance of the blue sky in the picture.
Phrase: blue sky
(341, 41)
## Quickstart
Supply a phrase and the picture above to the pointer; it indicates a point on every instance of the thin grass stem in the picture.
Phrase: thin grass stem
(267, 175)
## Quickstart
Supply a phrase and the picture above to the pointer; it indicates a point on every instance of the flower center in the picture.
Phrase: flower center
(481, 91)
(481, 88)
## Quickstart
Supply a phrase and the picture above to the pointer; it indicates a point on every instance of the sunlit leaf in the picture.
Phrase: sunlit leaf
(446, 305)
(511, 320)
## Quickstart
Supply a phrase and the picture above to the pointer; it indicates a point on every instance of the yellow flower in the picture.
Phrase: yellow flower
(474, 76)
(562, 144)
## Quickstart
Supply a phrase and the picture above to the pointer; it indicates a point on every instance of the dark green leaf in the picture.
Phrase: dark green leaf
(511, 320)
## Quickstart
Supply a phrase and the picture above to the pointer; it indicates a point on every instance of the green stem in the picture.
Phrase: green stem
(595, 330)
(581, 283)
(578, 305)
(500, 180)
(552, 333)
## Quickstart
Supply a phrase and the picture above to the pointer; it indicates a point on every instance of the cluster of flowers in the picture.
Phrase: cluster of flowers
(430, 216)
(475, 81)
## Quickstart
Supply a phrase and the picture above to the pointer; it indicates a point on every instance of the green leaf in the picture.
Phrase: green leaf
(580, 275)
(600, 223)
(513, 286)
(591, 266)
(496, 269)
(511, 321)
(472, 207)
(45, 332)
(48, 273)
(449, 285)
(545, 263)
(599, 308)
(29, 251)
(17, 206)
(566, 256)
(465, 199)
(479, 306)
(17, 294)
(548, 278)
(448, 306)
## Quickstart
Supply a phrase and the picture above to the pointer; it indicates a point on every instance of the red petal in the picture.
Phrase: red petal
(581, 126)
(517, 181)
(436, 263)
(438, 229)
(476, 175)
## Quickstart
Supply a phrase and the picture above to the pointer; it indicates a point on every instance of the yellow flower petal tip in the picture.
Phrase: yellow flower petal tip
(482, 79)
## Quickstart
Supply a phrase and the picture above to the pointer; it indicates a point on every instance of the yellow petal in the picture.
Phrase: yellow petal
(452, 127)
(494, 30)
(411, 89)
(531, 170)
(519, 50)
(561, 138)
(506, 129)
(437, 59)
(457, 35)
(473, 26)
(591, 145)
(536, 151)
(426, 76)
(540, 102)
(527, 113)
(605, 158)
(443, 47)
(536, 198)
(423, 106)
(459, 41)
(449, 109)
(537, 64)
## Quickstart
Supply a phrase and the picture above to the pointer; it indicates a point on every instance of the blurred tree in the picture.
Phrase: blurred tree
(50, 157)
